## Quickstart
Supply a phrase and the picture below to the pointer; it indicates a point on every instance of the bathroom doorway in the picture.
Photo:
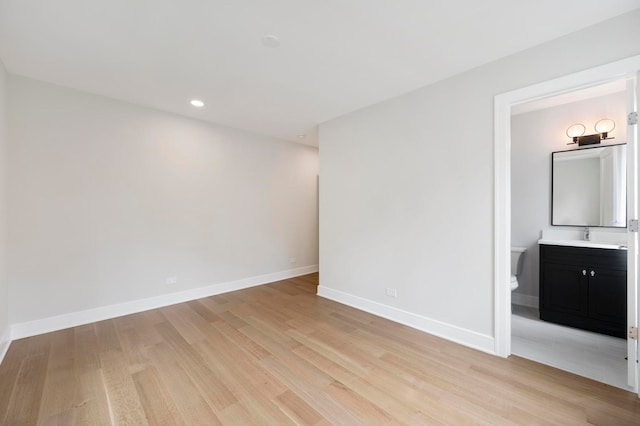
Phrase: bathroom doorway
(556, 181)
(609, 79)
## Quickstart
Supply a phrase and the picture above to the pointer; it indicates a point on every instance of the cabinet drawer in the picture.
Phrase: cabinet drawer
(585, 256)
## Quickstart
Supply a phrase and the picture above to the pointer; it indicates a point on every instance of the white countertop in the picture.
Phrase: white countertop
(581, 243)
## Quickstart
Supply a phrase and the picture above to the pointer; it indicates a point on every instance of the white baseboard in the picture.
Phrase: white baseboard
(5, 341)
(525, 300)
(450, 332)
(73, 319)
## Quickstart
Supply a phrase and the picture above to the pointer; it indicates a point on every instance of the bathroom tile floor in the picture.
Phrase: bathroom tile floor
(587, 354)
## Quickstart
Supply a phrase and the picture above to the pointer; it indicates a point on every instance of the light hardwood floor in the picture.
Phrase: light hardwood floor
(278, 354)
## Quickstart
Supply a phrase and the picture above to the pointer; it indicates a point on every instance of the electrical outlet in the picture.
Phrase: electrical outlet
(391, 292)
(292, 260)
(172, 280)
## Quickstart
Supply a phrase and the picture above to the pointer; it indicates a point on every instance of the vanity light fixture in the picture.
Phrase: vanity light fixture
(602, 127)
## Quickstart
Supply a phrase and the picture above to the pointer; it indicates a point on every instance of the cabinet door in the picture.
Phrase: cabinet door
(608, 295)
(565, 288)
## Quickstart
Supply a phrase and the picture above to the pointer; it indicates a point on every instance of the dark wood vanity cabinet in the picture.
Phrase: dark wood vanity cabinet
(584, 288)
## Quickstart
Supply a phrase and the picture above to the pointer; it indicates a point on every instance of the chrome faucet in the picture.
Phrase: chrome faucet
(587, 234)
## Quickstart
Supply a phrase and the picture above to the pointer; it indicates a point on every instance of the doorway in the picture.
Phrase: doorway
(504, 103)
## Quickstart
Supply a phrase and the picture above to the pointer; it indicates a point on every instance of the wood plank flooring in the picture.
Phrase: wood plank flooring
(277, 355)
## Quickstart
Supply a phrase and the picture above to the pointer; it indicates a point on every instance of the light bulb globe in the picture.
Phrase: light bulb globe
(576, 130)
(605, 125)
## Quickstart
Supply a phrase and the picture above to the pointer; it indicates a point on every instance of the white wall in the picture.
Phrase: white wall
(108, 199)
(534, 136)
(406, 189)
(4, 301)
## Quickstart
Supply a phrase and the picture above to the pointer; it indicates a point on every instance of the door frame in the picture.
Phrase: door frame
(622, 69)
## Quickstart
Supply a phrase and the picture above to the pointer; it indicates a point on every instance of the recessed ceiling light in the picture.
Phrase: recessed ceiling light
(270, 41)
(302, 136)
(197, 103)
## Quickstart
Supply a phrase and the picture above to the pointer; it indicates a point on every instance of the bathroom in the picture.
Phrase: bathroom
(538, 129)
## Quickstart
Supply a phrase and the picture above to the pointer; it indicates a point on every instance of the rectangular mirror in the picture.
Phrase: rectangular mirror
(589, 187)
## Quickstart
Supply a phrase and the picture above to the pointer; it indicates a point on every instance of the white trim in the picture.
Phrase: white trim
(525, 300)
(633, 372)
(502, 227)
(624, 68)
(73, 319)
(5, 341)
(450, 332)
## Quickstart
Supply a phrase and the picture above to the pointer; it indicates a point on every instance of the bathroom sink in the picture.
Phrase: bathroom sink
(582, 243)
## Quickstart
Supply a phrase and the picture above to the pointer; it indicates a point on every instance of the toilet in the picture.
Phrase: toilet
(517, 254)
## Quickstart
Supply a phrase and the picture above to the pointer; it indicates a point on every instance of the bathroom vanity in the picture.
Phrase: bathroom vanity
(584, 287)
(583, 283)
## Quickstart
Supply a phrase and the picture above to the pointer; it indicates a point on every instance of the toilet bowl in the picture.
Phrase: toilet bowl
(514, 282)
(517, 254)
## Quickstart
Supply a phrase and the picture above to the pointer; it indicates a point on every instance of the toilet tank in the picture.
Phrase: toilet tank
(517, 254)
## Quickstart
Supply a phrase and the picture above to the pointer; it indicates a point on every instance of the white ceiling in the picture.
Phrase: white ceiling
(335, 56)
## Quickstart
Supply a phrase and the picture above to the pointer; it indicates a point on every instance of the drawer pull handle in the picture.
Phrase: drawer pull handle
(593, 273)
(584, 272)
